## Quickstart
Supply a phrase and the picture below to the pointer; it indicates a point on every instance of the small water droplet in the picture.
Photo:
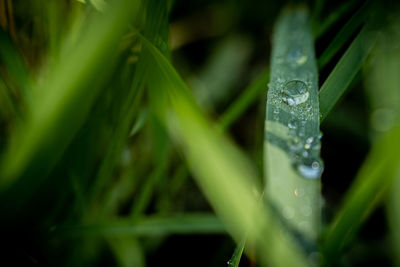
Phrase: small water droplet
(292, 124)
(295, 92)
(288, 212)
(306, 210)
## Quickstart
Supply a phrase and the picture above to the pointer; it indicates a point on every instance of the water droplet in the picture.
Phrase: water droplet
(292, 124)
(296, 57)
(288, 212)
(306, 210)
(310, 171)
(295, 92)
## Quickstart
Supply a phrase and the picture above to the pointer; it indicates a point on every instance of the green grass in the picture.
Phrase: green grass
(292, 144)
(117, 151)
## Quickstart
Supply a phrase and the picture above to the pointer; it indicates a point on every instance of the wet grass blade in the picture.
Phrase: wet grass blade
(221, 170)
(340, 78)
(370, 185)
(292, 144)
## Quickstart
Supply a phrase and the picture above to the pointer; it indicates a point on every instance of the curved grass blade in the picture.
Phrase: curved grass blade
(372, 182)
(356, 21)
(222, 172)
(292, 144)
(346, 69)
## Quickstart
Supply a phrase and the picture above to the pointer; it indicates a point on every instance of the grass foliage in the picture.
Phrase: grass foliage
(121, 145)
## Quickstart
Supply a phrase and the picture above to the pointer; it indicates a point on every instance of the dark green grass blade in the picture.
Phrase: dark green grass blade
(292, 144)
(372, 182)
(244, 100)
(150, 226)
(321, 27)
(356, 21)
(346, 69)
(221, 171)
(17, 71)
(237, 254)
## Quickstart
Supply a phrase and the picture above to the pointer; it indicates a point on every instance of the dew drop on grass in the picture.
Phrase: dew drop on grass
(294, 93)
(310, 171)
(296, 57)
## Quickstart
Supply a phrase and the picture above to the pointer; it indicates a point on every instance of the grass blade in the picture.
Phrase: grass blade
(237, 254)
(244, 100)
(222, 172)
(292, 127)
(344, 35)
(346, 69)
(372, 182)
(150, 226)
(65, 100)
(333, 17)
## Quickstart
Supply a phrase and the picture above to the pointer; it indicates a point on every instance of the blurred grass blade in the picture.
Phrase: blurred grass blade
(394, 216)
(345, 70)
(222, 172)
(65, 100)
(249, 95)
(149, 226)
(356, 21)
(322, 27)
(292, 142)
(17, 71)
(237, 254)
(370, 185)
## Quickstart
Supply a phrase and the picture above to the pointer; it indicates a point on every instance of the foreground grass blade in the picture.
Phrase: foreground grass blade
(372, 182)
(292, 144)
(68, 95)
(222, 172)
(346, 69)
(344, 34)
(178, 224)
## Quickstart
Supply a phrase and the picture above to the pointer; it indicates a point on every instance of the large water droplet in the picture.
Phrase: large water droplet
(294, 93)
(310, 171)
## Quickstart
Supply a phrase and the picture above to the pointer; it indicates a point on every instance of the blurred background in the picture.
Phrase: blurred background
(219, 47)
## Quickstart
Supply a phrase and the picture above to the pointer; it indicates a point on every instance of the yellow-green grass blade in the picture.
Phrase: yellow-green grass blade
(222, 172)
(292, 135)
